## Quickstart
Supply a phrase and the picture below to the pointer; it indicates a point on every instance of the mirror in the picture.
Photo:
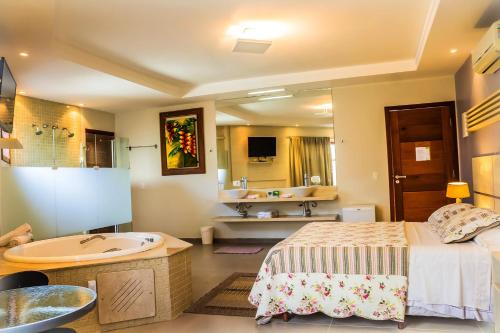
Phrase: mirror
(276, 138)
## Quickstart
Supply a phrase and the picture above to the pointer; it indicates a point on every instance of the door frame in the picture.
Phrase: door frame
(387, 110)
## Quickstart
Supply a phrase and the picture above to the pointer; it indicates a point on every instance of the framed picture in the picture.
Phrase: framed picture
(182, 142)
(5, 153)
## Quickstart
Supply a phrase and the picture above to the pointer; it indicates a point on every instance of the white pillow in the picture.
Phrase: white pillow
(489, 239)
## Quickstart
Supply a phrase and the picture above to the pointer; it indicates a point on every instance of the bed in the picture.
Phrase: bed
(340, 269)
(366, 269)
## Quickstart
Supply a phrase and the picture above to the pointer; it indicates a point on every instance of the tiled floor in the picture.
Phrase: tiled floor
(210, 269)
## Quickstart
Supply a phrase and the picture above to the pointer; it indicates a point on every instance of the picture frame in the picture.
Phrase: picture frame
(182, 142)
(5, 153)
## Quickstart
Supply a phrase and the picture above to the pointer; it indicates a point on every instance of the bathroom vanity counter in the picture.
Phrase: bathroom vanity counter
(318, 193)
(284, 218)
(170, 247)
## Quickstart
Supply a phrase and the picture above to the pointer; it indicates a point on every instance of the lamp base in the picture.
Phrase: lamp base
(458, 200)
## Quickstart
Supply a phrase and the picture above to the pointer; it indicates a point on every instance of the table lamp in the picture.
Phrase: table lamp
(457, 190)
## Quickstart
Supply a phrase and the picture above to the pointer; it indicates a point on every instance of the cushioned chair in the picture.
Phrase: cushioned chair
(29, 279)
(23, 279)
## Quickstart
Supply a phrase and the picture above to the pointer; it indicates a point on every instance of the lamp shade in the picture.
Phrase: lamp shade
(10, 143)
(457, 190)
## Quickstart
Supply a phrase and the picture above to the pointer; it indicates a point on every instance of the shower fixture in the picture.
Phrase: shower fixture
(38, 131)
(70, 134)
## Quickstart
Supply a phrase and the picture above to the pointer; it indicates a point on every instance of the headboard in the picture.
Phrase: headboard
(486, 178)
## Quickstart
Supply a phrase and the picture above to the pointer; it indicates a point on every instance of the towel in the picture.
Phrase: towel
(19, 231)
(19, 240)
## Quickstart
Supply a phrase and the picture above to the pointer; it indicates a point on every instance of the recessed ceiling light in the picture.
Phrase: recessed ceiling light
(263, 92)
(452, 51)
(275, 97)
(81, 104)
(251, 46)
(23, 54)
(296, 125)
(248, 124)
(22, 92)
(257, 30)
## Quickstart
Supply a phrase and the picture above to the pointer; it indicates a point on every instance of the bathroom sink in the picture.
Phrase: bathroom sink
(301, 191)
(236, 193)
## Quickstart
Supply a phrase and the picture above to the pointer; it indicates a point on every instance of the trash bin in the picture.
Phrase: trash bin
(207, 235)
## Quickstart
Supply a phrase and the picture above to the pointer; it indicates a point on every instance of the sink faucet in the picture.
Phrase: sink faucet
(244, 183)
(306, 180)
(86, 240)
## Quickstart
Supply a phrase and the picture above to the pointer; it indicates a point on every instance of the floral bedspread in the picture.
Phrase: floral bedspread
(340, 269)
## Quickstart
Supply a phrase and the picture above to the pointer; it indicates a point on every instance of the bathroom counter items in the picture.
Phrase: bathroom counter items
(317, 193)
(20, 235)
(39, 309)
(283, 218)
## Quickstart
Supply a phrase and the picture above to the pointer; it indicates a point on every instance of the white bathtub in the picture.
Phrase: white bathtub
(69, 249)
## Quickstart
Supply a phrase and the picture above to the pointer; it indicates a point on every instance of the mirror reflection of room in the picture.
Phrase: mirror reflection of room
(276, 139)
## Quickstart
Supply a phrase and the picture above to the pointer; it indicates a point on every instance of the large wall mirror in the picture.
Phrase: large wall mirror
(281, 138)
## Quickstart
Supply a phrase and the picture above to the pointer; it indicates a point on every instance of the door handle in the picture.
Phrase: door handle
(398, 177)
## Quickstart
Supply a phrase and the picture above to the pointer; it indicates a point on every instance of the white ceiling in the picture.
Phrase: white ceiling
(120, 55)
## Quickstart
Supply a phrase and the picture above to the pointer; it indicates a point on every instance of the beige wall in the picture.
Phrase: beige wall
(179, 205)
(362, 168)
(277, 173)
(37, 149)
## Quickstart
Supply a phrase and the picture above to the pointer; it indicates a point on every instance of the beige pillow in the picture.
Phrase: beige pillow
(446, 213)
(467, 224)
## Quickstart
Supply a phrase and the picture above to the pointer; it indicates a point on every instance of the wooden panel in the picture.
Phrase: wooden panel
(409, 164)
(126, 295)
(418, 206)
(420, 125)
(427, 182)
(484, 201)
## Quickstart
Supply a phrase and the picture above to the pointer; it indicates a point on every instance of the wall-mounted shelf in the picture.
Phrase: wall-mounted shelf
(285, 218)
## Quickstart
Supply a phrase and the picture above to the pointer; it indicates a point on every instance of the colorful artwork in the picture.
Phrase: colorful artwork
(182, 142)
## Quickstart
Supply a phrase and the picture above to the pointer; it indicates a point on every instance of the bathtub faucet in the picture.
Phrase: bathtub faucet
(86, 240)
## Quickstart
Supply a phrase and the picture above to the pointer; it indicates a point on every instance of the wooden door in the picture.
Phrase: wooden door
(423, 158)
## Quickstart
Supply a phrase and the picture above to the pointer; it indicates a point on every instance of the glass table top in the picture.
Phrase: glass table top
(43, 305)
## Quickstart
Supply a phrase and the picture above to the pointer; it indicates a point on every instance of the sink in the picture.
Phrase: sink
(236, 193)
(301, 191)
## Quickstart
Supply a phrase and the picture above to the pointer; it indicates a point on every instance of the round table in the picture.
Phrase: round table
(37, 309)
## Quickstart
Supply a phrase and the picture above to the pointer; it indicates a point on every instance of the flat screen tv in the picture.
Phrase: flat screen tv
(7, 97)
(261, 146)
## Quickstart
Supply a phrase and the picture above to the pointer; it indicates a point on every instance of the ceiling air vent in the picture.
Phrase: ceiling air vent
(485, 113)
(251, 46)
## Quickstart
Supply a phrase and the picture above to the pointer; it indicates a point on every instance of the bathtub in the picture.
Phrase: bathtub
(70, 248)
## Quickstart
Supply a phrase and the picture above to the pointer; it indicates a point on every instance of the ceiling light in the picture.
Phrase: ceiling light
(263, 92)
(257, 30)
(452, 51)
(274, 97)
(22, 92)
(296, 125)
(248, 124)
(81, 104)
(23, 54)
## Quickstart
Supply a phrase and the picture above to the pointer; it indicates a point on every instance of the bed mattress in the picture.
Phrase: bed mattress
(447, 280)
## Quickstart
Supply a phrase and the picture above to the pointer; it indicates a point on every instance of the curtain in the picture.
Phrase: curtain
(310, 155)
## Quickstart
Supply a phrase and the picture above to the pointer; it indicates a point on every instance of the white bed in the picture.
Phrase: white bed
(447, 280)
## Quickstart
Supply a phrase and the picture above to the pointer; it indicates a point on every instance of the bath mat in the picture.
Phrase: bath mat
(229, 298)
(238, 250)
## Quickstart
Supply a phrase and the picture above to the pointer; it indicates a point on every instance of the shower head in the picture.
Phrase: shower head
(38, 131)
(70, 134)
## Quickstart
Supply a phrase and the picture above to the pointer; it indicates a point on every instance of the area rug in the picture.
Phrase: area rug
(230, 298)
(238, 250)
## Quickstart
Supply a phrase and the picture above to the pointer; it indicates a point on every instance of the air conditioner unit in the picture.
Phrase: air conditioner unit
(486, 55)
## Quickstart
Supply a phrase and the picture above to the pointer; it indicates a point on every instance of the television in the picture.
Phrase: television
(7, 97)
(261, 146)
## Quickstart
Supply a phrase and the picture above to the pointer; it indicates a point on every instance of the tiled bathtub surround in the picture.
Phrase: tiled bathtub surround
(37, 149)
(172, 275)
